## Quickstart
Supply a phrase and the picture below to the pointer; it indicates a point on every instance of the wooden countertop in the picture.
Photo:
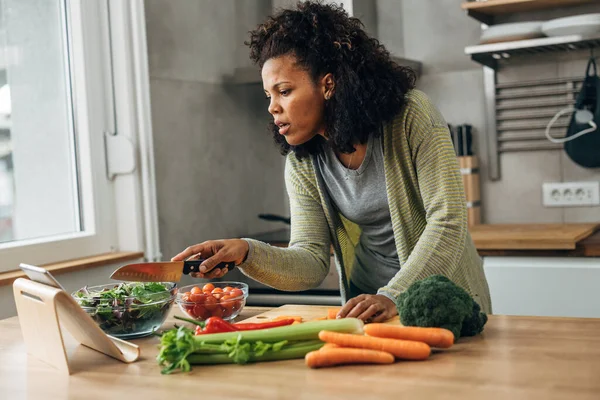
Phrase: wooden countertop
(520, 357)
(586, 247)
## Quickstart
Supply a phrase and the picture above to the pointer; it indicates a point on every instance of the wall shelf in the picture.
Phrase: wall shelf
(506, 128)
(490, 54)
(502, 136)
(485, 11)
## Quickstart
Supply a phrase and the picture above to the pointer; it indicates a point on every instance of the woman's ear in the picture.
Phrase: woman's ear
(328, 86)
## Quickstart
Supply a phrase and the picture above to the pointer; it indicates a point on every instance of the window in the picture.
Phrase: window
(57, 107)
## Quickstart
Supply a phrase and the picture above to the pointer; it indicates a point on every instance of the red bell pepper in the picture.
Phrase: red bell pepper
(249, 326)
(211, 325)
(219, 325)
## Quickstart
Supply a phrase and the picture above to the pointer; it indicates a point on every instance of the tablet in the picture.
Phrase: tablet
(41, 275)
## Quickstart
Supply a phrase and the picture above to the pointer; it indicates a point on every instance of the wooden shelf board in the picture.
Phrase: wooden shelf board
(499, 7)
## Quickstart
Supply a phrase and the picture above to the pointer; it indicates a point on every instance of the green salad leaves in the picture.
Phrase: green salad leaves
(127, 309)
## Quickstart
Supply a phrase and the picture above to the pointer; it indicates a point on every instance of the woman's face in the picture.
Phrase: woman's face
(295, 101)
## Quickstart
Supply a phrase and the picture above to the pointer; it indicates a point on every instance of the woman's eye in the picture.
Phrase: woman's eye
(284, 92)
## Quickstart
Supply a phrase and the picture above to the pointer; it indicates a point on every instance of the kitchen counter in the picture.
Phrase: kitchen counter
(587, 247)
(520, 357)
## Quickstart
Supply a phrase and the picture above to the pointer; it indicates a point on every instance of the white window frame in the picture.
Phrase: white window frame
(117, 214)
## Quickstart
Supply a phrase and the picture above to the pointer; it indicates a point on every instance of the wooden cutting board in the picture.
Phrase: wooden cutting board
(308, 313)
(530, 236)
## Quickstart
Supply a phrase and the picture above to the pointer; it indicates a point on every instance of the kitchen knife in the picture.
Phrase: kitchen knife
(167, 271)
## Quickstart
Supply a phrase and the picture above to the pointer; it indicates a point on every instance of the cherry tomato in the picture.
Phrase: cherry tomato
(227, 289)
(208, 287)
(217, 312)
(185, 297)
(211, 303)
(227, 303)
(197, 298)
(237, 292)
(237, 305)
(196, 290)
(227, 312)
(217, 293)
(200, 312)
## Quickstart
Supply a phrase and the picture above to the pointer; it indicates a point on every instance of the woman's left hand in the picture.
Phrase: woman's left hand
(369, 308)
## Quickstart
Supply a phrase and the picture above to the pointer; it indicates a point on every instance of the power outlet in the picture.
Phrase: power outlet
(571, 194)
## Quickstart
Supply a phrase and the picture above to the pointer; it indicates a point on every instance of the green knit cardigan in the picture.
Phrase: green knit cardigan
(427, 206)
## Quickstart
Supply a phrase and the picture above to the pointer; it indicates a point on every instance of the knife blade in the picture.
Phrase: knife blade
(167, 271)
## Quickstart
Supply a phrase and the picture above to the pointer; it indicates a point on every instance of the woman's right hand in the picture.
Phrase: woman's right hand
(215, 252)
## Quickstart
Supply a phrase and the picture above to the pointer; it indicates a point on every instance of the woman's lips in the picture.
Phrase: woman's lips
(283, 129)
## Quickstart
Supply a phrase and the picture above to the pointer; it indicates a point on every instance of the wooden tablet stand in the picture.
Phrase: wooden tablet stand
(42, 308)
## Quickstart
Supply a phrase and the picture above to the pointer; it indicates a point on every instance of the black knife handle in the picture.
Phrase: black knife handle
(194, 266)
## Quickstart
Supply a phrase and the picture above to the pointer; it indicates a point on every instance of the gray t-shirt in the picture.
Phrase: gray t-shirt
(360, 195)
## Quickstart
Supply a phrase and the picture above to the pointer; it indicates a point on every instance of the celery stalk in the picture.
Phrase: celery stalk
(180, 347)
(304, 331)
(297, 350)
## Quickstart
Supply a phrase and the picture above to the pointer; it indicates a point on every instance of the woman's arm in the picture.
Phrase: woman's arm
(442, 242)
(305, 263)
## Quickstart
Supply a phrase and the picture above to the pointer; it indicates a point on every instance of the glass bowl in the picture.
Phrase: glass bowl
(214, 299)
(127, 310)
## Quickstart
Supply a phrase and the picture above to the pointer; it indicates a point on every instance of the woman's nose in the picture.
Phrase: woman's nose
(274, 107)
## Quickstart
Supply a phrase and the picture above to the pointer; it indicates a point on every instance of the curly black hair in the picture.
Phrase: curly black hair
(369, 86)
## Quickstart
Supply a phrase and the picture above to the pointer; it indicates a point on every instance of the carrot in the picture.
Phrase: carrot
(404, 349)
(320, 318)
(339, 356)
(296, 318)
(332, 312)
(435, 337)
(329, 346)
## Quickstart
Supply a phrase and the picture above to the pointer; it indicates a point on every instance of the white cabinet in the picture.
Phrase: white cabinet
(544, 286)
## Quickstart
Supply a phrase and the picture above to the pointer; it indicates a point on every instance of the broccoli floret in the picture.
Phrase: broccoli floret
(436, 301)
(473, 324)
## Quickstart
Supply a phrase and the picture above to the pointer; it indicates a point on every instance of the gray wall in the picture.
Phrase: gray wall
(216, 164)
(436, 33)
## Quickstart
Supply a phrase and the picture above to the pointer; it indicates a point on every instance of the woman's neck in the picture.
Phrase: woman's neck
(353, 160)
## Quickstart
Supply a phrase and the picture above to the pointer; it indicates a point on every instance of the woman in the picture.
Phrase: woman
(370, 170)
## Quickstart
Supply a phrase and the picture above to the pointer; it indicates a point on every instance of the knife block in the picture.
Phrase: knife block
(469, 169)
(42, 309)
